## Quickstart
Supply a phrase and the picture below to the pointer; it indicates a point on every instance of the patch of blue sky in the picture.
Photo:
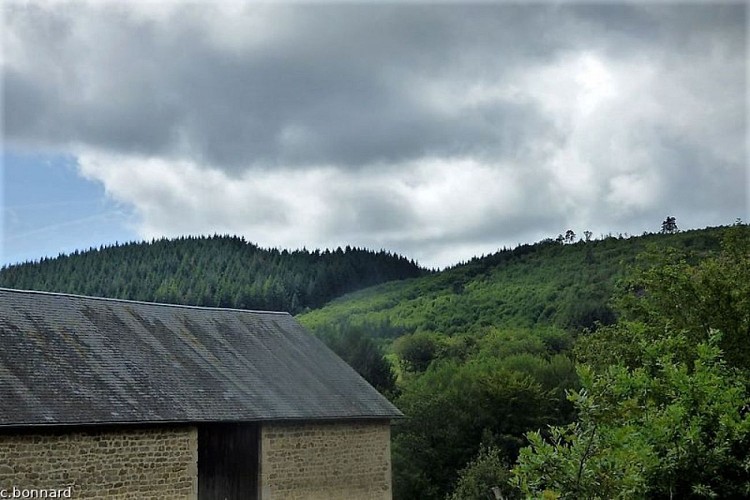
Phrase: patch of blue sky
(48, 208)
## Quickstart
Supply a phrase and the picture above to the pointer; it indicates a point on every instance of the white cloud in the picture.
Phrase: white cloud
(323, 207)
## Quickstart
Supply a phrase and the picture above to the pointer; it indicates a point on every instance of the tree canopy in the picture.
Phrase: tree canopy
(663, 408)
(221, 271)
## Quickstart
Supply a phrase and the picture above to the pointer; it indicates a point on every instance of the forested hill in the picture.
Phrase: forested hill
(550, 283)
(221, 271)
(483, 354)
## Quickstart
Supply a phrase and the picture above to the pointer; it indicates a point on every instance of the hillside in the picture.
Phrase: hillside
(547, 283)
(486, 357)
(219, 271)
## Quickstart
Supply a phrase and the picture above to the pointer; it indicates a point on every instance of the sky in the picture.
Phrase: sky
(439, 131)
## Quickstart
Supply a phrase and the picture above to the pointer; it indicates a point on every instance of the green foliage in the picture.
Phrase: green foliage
(362, 353)
(682, 292)
(614, 344)
(569, 286)
(669, 225)
(451, 410)
(459, 404)
(484, 478)
(664, 430)
(661, 413)
(416, 351)
(579, 462)
(502, 343)
(218, 271)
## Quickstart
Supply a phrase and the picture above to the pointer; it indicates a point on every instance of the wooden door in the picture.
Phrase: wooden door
(228, 461)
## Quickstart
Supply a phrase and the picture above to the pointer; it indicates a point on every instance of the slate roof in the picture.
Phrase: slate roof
(67, 359)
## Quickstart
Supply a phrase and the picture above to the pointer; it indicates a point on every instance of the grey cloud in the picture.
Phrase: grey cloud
(696, 181)
(495, 232)
(676, 28)
(371, 212)
(336, 85)
(367, 88)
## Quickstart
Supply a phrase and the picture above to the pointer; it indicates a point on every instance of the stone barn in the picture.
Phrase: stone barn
(103, 398)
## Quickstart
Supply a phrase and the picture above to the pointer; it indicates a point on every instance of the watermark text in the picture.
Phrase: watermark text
(16, 492)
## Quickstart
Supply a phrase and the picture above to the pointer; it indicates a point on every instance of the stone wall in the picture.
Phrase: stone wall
(153, 463)
(328, 461)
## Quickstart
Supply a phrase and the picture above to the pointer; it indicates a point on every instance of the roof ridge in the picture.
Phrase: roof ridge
(142, 302)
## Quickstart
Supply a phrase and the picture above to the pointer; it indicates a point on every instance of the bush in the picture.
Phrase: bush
(486, 477)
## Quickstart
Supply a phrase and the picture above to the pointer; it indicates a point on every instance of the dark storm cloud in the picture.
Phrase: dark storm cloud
(339, 85)
(333, 84)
